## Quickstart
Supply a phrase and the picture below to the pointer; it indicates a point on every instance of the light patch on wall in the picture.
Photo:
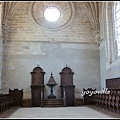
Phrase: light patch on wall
(8, 66)
(80, 46)
(36, 49)
(22, 49)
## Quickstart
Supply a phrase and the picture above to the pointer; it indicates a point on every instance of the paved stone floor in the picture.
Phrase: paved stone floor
(59, 112)
(78, 112)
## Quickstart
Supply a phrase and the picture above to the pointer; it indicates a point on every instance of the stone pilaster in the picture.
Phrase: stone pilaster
(1, 48)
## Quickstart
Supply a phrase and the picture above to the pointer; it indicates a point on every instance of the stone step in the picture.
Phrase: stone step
(56, 102)
(53, 105)
(26, 102)
(53, 99)
(79, 101)
(53, 102)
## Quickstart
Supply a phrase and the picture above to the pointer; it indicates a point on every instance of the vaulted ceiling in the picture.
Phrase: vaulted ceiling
(91, 9)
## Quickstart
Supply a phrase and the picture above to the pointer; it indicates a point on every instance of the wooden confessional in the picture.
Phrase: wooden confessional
(37, 87)
(67, 87)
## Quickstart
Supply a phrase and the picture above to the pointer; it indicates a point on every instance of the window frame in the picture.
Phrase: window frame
(117, 33)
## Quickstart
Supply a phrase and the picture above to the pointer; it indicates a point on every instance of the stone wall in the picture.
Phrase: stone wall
(29, 45)
(109, 60)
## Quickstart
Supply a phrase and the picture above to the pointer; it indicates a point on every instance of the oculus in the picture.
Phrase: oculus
(52, 15)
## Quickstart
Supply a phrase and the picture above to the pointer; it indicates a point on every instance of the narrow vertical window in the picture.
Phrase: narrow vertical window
(117, 24)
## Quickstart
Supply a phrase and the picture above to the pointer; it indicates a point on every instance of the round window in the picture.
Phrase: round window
(52, 14)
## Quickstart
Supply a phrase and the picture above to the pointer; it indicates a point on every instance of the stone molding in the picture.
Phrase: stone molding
(66, 9)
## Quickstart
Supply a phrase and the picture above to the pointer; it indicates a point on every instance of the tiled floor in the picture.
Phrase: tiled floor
(60, 112)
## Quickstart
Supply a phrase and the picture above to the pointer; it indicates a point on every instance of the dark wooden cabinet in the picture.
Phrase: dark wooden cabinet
(17, 96)
(36, 96)
(113, 83)
(37, 87)
(88, 97)
(67, 87)
(69, 92)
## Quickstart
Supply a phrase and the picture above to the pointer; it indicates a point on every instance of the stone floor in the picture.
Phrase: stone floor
(107, 112)
(58, 112)
(9, 112)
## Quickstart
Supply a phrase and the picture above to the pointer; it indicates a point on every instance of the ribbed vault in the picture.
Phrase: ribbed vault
(91, 9)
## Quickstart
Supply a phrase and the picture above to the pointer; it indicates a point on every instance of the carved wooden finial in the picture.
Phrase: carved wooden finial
(38, 65)
(51, 73)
